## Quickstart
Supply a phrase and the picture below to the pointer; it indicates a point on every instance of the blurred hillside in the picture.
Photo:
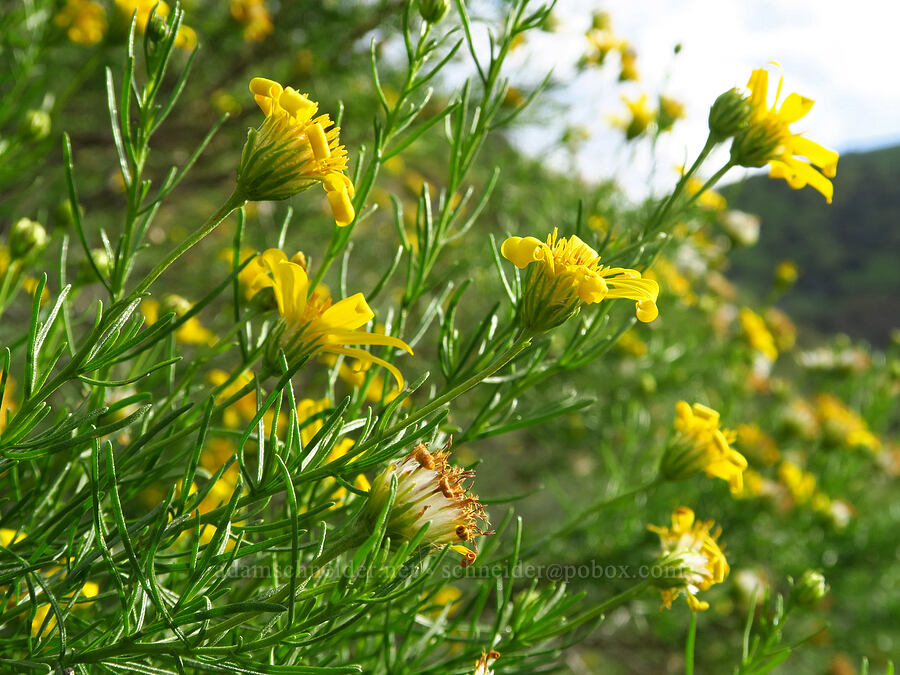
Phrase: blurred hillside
(847, 252)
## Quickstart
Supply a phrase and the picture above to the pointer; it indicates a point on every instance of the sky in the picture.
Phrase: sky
(843, 55)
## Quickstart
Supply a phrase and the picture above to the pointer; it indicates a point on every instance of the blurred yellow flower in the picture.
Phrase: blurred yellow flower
(801, 484)
(569, 275)
(786, 273)
(313, 324)
(709, 199)
(629, 72)
(255, 17)
(84, 21)
(700, 445)
(758, 336)
(293, 150)
(191, 332)
(186, 38)
(689, 547)
(641, 115)
(842, 425)
(769, 140)
(8, 405)
(757, 443)
(670, 111)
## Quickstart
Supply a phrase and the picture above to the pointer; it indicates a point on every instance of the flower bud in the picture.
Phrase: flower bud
(809, 589)
(36, 125)
(728, 115)
(432, 11)
(86, 273)
(157, 29)
(25, 237)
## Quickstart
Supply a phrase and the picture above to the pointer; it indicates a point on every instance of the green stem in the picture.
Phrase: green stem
(519, 346)
(601, 609)
(689, 646)
(659, 217)
(236, 200)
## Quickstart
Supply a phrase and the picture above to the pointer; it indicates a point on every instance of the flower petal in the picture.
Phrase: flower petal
(347, 314)
(817, 154)
(357, 337)
(794, 107)
(520, 251)
(363, 355)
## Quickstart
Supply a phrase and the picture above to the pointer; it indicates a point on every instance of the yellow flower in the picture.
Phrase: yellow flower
(709, 199)
(629, 70)
(88, 591)
(9, 537)
(801, 484)
(641, 116)
(84, 21)
(191, 332)
(7, 406)
(569, 275)
(293, 150)
(700, 445)
(758, 443)
(429, 490)
(630, 343)
(768, 139)
(670, 111)
(255, 17)
(842, 425)
(689, 547)
(757, 334)
(312, 324)
(786, 273)
(186, 38)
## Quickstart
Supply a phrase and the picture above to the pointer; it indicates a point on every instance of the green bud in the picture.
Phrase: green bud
(63, 215)
(26, 236)
(757, 144)
(86, 273)
(432, 11)
(809, 589)
(729, 114)
(157, 29)
(36, 125)
(175, 303)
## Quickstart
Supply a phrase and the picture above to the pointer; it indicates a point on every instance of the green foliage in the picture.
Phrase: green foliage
(179, 493)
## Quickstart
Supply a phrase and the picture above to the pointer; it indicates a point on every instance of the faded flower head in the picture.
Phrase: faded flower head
(700, 445)
(567, 275)
(692, 557)
(483, 664)
(768, 139)
(429, 490)
(292, 150)
(312, 323)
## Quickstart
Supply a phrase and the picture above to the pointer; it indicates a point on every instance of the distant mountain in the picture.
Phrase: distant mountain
(848, 253)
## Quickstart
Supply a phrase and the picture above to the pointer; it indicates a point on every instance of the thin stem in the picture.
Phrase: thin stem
(689, 646)
(236, 200)
(520, 345)
(601, 609)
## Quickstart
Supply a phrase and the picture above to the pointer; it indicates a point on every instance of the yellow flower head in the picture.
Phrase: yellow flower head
(293, 150)
(84, 21)
(842, 425)
(801, 484)
(700, 445)
(313, 324)
(689, 547)
(568, 274)
(757, 333)
(768, 139)
(255, 17)
(629, 72)
(641, 116)
(670, 111)
(429, 490)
